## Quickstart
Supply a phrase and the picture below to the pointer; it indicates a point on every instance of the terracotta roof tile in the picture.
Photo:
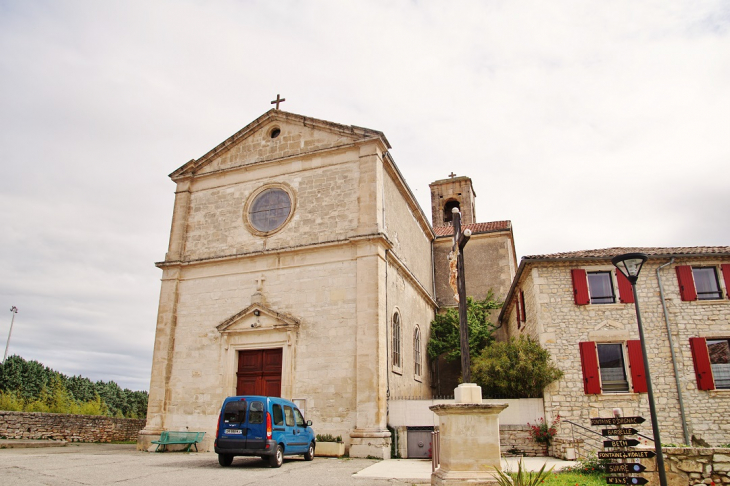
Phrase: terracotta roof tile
(650, 251)
(476, 228)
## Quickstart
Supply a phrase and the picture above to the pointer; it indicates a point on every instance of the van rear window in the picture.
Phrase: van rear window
(278, 415)
(256, 413)
(235, 412)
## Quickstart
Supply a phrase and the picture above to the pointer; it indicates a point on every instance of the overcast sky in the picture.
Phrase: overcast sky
(588, 124)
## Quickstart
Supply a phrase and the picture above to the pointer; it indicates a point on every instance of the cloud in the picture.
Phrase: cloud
(588, 124)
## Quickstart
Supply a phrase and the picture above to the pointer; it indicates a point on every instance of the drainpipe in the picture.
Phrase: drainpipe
(674, 357)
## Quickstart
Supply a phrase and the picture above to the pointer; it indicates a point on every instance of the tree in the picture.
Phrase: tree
(518, 368)
(445, 338)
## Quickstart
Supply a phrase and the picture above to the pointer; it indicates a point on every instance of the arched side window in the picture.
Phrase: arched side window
(395, 342)
(417, 351)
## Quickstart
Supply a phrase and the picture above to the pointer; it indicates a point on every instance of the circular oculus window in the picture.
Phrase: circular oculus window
(269, 209)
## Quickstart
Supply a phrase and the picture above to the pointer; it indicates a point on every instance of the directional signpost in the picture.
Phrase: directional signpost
(618, 421)
(624, 468)
(626, 480)
(626, 455)
(607, 432)
(621, 443)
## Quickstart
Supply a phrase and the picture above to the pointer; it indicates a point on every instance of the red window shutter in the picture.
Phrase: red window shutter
(589, 363)
(580, 286)
(701, 360)
(726, 276)
(625, 292)
(686, 282)
(636, 362)
(517, 311)
(522, 306)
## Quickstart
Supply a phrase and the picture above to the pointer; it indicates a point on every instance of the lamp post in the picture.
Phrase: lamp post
(14, 310)
(629, 264)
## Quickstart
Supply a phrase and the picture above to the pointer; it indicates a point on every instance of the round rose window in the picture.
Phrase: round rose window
(269, 210)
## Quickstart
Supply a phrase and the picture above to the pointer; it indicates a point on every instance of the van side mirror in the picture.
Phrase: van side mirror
(309, 423)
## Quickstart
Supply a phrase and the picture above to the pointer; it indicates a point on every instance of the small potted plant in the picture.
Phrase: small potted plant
(329, 446)
(543, 433)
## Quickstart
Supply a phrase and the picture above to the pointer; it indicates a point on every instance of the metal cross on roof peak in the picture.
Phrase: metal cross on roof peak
(278, 100)
(452, 175)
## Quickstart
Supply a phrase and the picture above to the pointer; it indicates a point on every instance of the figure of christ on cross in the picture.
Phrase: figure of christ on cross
(457, 250)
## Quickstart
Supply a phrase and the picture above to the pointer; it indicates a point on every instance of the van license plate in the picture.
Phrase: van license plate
(234, 431)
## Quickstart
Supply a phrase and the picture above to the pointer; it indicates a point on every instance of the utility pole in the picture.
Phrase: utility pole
(14, 310)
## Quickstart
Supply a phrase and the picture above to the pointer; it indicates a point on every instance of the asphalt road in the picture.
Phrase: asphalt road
(102, 464)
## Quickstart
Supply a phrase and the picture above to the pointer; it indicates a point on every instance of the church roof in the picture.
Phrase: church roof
(607, 253)
(476, 228)
(350, 131)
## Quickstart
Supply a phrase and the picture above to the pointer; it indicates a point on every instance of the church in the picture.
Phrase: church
(300, 265)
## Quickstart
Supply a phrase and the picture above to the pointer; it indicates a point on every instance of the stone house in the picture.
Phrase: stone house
(300, 265)
(583, 312)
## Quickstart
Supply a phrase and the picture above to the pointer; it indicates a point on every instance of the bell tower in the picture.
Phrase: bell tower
(454, 192)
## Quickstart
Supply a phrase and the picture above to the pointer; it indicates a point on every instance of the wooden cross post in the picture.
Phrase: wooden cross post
(460, 241)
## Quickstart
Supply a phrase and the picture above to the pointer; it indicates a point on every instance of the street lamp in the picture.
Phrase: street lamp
(629, 264)
(14, 310)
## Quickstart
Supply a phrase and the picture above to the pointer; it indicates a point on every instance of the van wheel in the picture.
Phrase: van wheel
(309, 455)
(278, 458)
(225, 460)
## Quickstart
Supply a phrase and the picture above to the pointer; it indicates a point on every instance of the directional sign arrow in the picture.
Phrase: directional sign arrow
(617, 420)
(620, 443)
(626, 455)
(607, 432)
(625, 480)
(618, 468)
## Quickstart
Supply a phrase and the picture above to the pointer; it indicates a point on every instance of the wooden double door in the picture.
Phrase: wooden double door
(259, 372)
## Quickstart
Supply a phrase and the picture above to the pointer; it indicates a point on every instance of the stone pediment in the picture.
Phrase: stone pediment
(257, 317)
(256, 142)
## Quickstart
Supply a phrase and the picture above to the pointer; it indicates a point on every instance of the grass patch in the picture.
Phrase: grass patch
(574, 479)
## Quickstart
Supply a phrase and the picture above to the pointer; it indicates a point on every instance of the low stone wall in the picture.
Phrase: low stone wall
(689, 466)
(516, 439)
(513, 439)
(73, 428)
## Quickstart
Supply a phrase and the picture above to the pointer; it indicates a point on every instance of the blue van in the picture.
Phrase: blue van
(268, 427)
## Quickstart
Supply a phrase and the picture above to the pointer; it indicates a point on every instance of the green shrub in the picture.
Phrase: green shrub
(518, 368)
(590, 465)
(328, 438)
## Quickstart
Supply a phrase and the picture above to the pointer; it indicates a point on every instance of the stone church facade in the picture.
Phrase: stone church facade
(301, 265)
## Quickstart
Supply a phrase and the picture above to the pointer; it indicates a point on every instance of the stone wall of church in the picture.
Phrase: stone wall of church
(326, 208)
(317, 287)
(415, 312)
(293, 140)
(411, 243)
(560, 324)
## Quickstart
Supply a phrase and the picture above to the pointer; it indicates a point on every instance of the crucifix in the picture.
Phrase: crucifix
(278, 100)
(456, 279)
(452, 175)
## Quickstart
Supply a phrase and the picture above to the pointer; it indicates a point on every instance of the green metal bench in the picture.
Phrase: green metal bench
(173, 437)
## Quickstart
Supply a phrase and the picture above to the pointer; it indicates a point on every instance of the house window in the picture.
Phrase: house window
(706, 283)
(719, 350)
(702, 283)
(604, 367)
(600, 288)
(396, 340)
(417, 351)
(711, 359)
(613, 371)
